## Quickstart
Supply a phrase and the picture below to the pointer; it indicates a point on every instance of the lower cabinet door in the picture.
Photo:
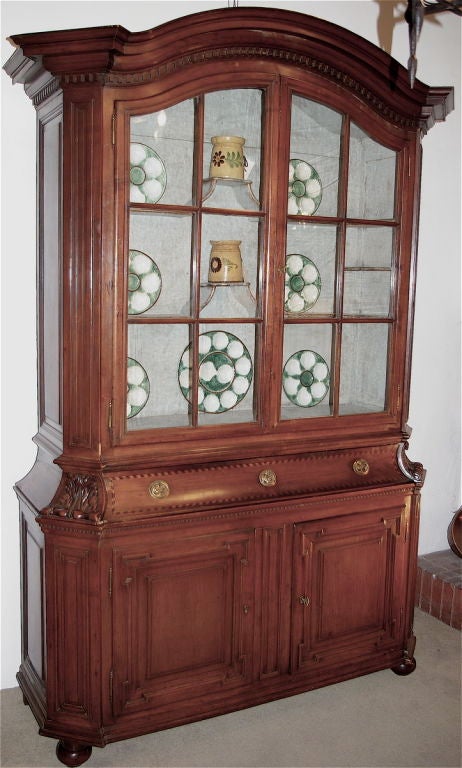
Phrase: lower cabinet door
(183, 618)
(350, 577)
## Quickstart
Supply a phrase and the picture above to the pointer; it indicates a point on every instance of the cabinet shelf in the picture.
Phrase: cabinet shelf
(236, 185)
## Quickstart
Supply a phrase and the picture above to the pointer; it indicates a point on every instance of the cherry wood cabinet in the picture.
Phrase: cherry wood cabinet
(222, 511)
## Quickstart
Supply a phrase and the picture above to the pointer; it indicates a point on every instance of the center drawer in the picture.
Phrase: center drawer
(227, 484)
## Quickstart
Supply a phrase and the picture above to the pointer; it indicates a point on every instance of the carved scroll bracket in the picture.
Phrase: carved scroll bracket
(79, 497)
(413, 470)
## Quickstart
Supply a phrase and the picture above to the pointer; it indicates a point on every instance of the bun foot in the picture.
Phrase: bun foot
(405, 667)
(72, 753)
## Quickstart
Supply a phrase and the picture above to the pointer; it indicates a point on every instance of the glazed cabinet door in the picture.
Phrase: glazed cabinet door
(241, 266)
(183, 617)
(195, 228)
(349, 587)
(342, 247)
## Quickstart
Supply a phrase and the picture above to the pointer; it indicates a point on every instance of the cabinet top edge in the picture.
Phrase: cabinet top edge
(112, 55)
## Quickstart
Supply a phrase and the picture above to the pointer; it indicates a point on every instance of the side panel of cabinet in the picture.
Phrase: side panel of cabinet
(350, 587)
(84, 152)
(50, 152)
(183, 619)
(73, 633)
(32, 674)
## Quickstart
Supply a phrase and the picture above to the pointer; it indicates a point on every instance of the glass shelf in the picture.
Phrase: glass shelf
(241, 189)
(227, 300)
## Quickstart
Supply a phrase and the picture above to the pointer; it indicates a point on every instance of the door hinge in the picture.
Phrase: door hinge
(110, 582)
(114, 118)
(109, 415)
(111, 685)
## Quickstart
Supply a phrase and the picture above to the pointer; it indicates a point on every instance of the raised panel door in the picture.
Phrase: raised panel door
(183, 619)
(349, 587)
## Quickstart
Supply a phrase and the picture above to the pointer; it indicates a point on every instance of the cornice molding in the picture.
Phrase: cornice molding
(317, 66)
(113, 56)
(49, 89)
(39, 84)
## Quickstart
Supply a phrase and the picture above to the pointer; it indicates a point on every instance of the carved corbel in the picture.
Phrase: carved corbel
(413, 470)
(79, 497)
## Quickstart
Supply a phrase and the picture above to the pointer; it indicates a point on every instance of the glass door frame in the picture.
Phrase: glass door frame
(125, 109)
(268, 362)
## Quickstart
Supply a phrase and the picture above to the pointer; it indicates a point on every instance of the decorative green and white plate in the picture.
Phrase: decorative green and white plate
(302, 283)
(305, 190)
(305, 378)
(138, 387)
(144, 282)
(148, 177)
(225, 371)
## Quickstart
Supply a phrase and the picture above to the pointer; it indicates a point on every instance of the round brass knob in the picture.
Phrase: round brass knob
(159, 489)
(361, 467)
(267, 478)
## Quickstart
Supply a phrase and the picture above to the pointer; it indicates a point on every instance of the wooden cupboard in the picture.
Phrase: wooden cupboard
(222, 511)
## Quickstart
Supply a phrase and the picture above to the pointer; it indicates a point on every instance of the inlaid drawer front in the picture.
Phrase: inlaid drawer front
(217, 485)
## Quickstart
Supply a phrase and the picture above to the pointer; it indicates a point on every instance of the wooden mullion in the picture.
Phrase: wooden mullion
(196, 246)
(162, 208)
(231, 320)
(278, 130)
(234, 212)
(159, 320)
(341, 244)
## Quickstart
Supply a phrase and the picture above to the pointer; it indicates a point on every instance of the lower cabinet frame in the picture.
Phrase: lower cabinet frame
(166, 621)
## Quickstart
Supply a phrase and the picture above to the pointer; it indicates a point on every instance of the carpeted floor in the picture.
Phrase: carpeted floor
(376, 720)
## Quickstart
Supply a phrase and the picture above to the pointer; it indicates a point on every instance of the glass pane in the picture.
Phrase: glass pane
(368, 260)
(154, 396)
(161, 155)
(232, 148)
(310, 269)
(366, 293)
(306, 371)
(363, 372)
(229, 266)
(314, 158)
(226, 374)
(369, 246)
(158, 272)
(371, 182)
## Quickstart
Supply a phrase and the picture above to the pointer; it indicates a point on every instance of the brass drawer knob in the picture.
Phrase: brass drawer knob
(361, 467)
(267, 478)
(304, 600)
(159, 489)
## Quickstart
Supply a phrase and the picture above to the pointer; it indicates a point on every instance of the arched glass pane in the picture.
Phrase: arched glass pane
(314, 159)
(371, 178)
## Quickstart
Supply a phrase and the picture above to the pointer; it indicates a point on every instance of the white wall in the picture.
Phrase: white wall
(435, 409)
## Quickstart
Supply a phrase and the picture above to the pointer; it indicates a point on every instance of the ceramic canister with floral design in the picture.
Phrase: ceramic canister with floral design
(228, 161)
(225, 262)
